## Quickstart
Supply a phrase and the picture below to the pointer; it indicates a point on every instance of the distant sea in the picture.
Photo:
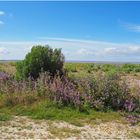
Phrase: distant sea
(76, 61)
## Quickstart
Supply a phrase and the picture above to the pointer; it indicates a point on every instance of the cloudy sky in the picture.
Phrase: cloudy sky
(86, 31)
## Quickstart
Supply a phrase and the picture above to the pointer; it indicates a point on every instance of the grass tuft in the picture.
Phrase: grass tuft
(4, 117)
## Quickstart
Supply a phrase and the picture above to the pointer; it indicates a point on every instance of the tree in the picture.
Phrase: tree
(40, 59)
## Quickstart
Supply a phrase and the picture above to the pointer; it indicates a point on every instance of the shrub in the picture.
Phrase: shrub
(109, 67)
(40, 59)
(108, 91)
(105, 91)
(131, 68)
(70, 67)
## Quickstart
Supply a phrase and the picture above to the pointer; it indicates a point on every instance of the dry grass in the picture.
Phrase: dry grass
(63, 132)
(8, 67)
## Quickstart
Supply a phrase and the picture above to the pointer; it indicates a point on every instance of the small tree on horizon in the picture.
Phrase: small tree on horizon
(40, 59)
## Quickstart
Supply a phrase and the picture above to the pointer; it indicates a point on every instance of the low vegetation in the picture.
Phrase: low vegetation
(4, 117)
(100, 93)
(78, 92)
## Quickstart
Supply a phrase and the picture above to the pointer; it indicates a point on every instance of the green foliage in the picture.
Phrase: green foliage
(110, 67)
(47, 110)
(92, 67)
(76, 67)
(127, 68)
(41, 58)
(4, 117)
(70, 67)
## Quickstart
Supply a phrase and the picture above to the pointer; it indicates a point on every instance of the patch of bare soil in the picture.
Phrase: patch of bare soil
(25, 128)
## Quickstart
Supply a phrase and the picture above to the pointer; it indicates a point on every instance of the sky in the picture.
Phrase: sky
(86, 31)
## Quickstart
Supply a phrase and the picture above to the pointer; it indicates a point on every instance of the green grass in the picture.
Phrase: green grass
(49, 111)
(4, 117)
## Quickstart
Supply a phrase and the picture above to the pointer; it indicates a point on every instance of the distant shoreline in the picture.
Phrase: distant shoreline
(77, 61)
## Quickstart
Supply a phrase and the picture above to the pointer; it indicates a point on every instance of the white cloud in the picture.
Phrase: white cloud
(77, 49)
(3, 50)
(75, 40)
(125, 51)
(1, 22)
(15, 50)
(83, 51)
(2, 13)
(109, 50)
(131, 26)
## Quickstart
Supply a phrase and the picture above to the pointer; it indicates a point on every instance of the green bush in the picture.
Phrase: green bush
(40, 59)
(128, 68)
(70, 67)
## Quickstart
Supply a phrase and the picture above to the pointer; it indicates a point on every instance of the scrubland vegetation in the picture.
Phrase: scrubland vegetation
(44, 87)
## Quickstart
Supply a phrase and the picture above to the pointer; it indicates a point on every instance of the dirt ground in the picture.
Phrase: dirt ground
(25, 128)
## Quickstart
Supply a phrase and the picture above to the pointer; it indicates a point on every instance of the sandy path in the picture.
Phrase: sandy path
(26, 128)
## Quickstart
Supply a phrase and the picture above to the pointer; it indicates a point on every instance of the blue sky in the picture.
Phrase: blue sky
(90, 31)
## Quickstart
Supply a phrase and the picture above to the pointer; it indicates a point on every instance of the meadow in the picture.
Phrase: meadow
(87, 93)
